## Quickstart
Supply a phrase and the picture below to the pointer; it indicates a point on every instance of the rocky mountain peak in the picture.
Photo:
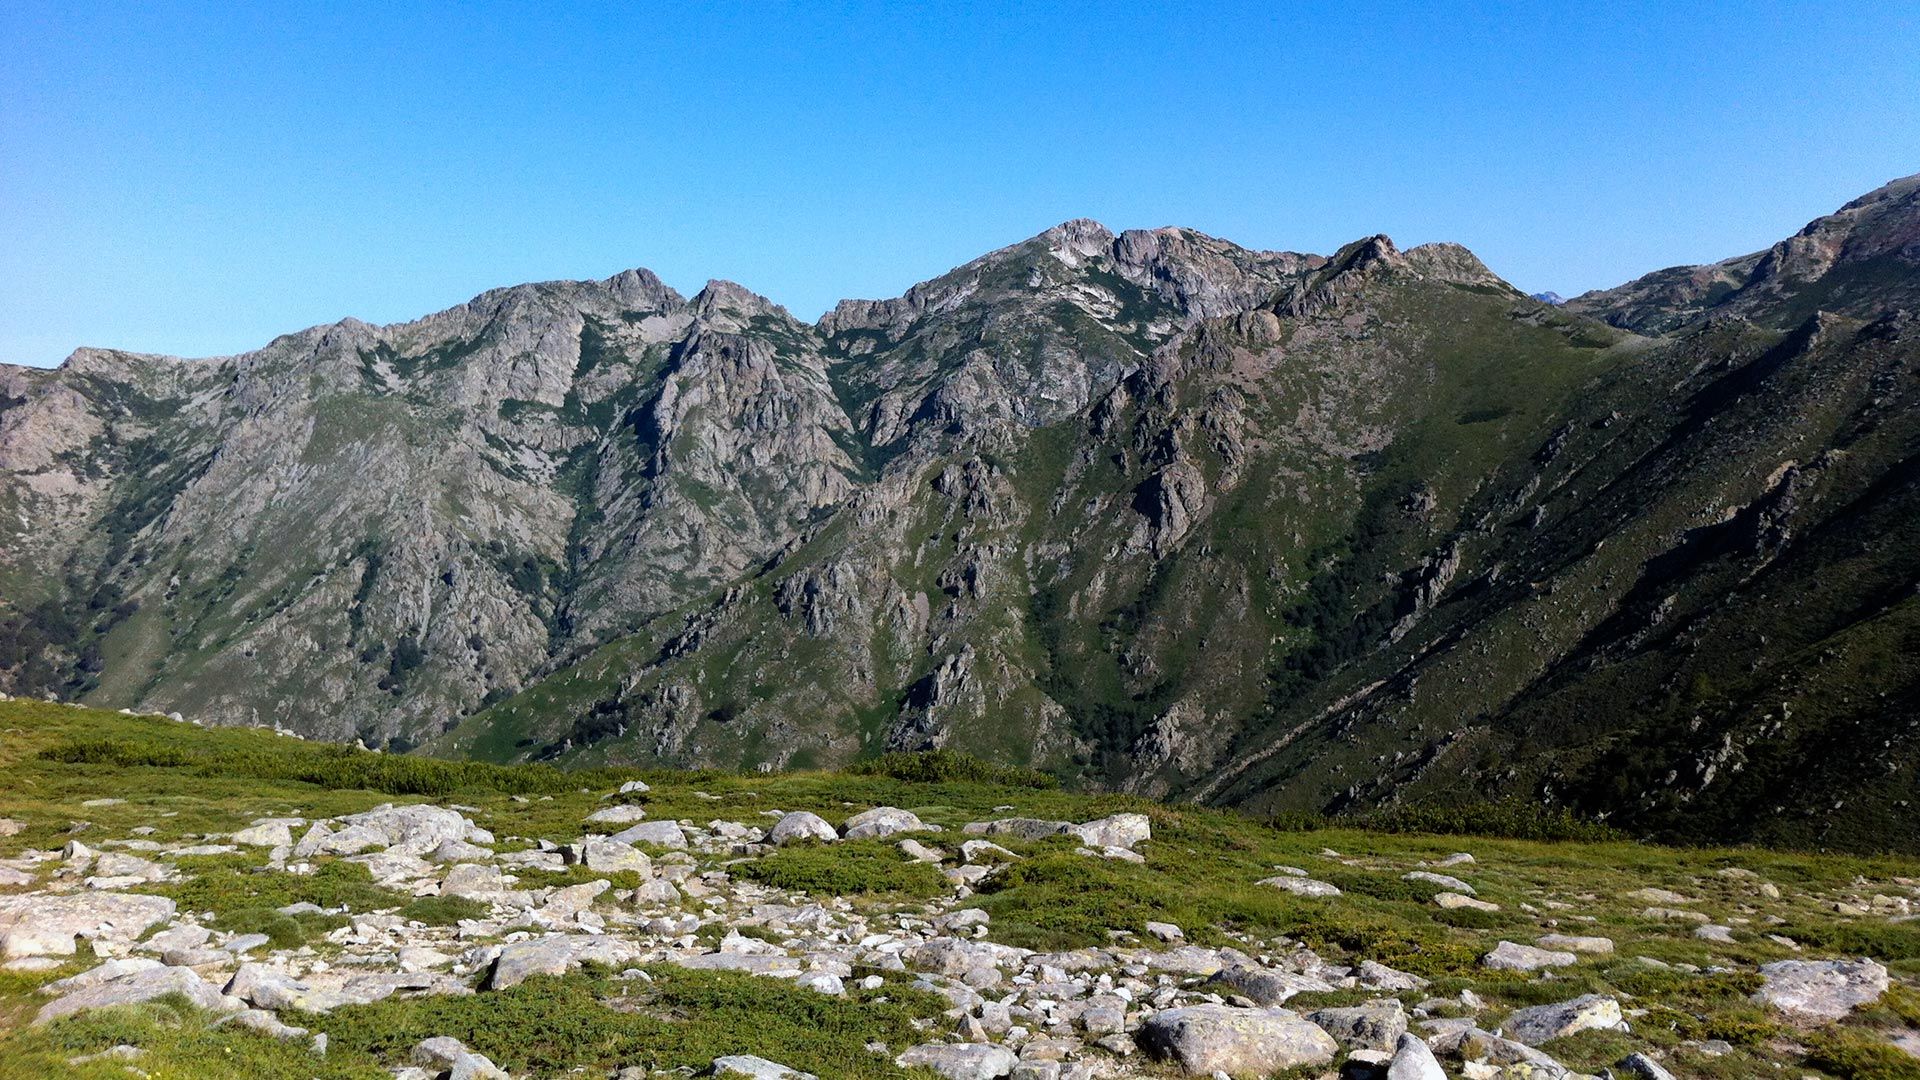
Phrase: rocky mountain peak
(1859, 261)
(642, 290)
(1074, 241)
(1366, 254)
(1452, 263)
(731, 305)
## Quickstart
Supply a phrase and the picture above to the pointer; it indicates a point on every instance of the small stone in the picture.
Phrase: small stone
(919, 852)
(1300, 886)
(1661, 914)
(1451, 884)
(1576, 943)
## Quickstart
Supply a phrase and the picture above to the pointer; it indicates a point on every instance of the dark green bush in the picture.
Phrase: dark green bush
(951, 766)
(1510, 820)
(444, 910)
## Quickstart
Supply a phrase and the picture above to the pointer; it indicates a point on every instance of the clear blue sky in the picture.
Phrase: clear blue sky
(195, 179)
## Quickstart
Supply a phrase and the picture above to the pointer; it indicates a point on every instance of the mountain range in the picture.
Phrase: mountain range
(1147, 510)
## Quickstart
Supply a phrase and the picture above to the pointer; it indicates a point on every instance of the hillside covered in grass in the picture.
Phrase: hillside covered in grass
(212, 903)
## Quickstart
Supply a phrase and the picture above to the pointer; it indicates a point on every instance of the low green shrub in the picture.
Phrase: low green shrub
(283, 931)
(589, 1022)
(1380, 886)
(227, 890)
(180, 1042)
(848, 868)
(1881, 940)
(1852, 1055)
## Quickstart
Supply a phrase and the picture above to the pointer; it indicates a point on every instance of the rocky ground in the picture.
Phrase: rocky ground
(169, 906)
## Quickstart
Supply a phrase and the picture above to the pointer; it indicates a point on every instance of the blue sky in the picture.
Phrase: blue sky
(196, 179)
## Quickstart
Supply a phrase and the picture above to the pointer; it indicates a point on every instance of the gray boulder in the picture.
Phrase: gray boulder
(881, 821)
(623, 814)
(1115, 831)
(41, 925)
(411, 830)
(141, 986)
(1545, 1023)
(1445, 881)
(756, 1068)
(1269, 986)
(802, 825)
(1413, 1060)
(1203, 1039)
(666, 834)
(1376, 1025)
(1643, 1067)
(605, 856)
(960, 1061)
(1511, 956)
(1821, 990)
(555, 955)
(1300, 886)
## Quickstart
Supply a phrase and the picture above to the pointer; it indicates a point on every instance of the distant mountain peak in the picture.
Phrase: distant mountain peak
(1859, 260)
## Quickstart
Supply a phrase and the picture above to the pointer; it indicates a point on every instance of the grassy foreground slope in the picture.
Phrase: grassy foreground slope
(192, 786)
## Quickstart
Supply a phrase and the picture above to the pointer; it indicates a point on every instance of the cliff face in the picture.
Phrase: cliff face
(1148, 509)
